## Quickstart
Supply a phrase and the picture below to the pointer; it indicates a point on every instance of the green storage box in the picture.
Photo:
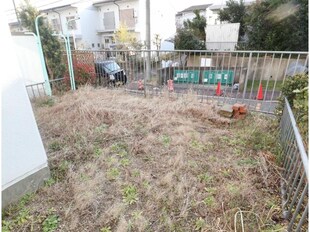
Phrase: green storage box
(226, 77)
(186, 76)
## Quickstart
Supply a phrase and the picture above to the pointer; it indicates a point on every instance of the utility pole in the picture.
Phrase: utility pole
(148, 43)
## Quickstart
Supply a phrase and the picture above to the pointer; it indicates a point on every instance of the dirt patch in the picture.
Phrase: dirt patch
(126, 163)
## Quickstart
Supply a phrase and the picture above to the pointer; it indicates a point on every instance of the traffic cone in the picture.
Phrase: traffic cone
(170, 85)
(140, 85)
(218, 89)
(260, 92)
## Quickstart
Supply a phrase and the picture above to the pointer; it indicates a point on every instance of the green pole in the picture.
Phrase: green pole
(47, 85)
(68, 58)
(70, 54)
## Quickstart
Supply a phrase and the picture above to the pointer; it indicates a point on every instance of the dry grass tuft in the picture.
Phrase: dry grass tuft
(125, 163)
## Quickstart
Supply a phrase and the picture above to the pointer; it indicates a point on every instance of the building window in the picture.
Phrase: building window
(109, 20)
(72, 24)
(92, 45)
(127, 17)
(107, 40)
(98, 45)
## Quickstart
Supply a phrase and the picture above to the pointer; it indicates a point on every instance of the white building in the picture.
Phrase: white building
(212, 14)
(188, 14)
(83, 30)
(111, 14)
(99, 20)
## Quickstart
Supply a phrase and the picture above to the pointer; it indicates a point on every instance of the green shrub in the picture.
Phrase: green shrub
(295, 89)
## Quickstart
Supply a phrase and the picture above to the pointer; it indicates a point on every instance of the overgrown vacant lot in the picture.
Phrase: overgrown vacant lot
(127, 163)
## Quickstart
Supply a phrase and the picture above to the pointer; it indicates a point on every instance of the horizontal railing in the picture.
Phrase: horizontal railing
(37, 89)
(294, 186)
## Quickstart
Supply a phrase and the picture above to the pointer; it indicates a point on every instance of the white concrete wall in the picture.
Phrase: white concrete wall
(28, 59)
(22, 150)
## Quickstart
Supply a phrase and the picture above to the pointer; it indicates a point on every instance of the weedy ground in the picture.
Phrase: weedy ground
(126, 163)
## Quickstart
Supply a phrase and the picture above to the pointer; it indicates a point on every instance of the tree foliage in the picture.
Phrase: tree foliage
(192, 36)
(295, 89)
(234, 13)
(52, 48)
(278, 25)
(197, 25)
(126, 39)
(186, 40)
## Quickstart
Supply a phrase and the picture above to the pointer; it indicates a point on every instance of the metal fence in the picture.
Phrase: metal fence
(294, 186)
(251, 77)
(37, 90)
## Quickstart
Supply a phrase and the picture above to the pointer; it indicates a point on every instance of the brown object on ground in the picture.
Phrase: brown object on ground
(239, 111)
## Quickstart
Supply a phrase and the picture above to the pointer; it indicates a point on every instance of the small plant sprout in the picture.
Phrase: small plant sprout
(50, 182)
(106, 229)
(113, 173)
(136, 215)
(206, 178)
(130, 195)
(55, 146)
(125, 162)
(199, 224)
(209, 201)
(166, 140)
(136, 173)
(97, 152)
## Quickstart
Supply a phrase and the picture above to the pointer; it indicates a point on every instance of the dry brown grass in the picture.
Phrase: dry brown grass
(191, 169)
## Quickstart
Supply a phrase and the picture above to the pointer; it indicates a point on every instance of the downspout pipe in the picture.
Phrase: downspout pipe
(119, 11)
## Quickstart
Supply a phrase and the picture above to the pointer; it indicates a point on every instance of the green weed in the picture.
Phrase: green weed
(97, 151)
(197, 145)
(206, 178)
(120, 149)
(130, 194)
(23, 217)
(7, 226)
(51, 181)
(199, 224)
(166, 140)
(102, 128)
(247, 162)
(55, 146)
(209, 201)
(136, 173)
(233, 189)
(125, 162)
(84, 177)
(211, 190)
(47, 101)
(106, 229)
(113, 173)
(50, 224)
